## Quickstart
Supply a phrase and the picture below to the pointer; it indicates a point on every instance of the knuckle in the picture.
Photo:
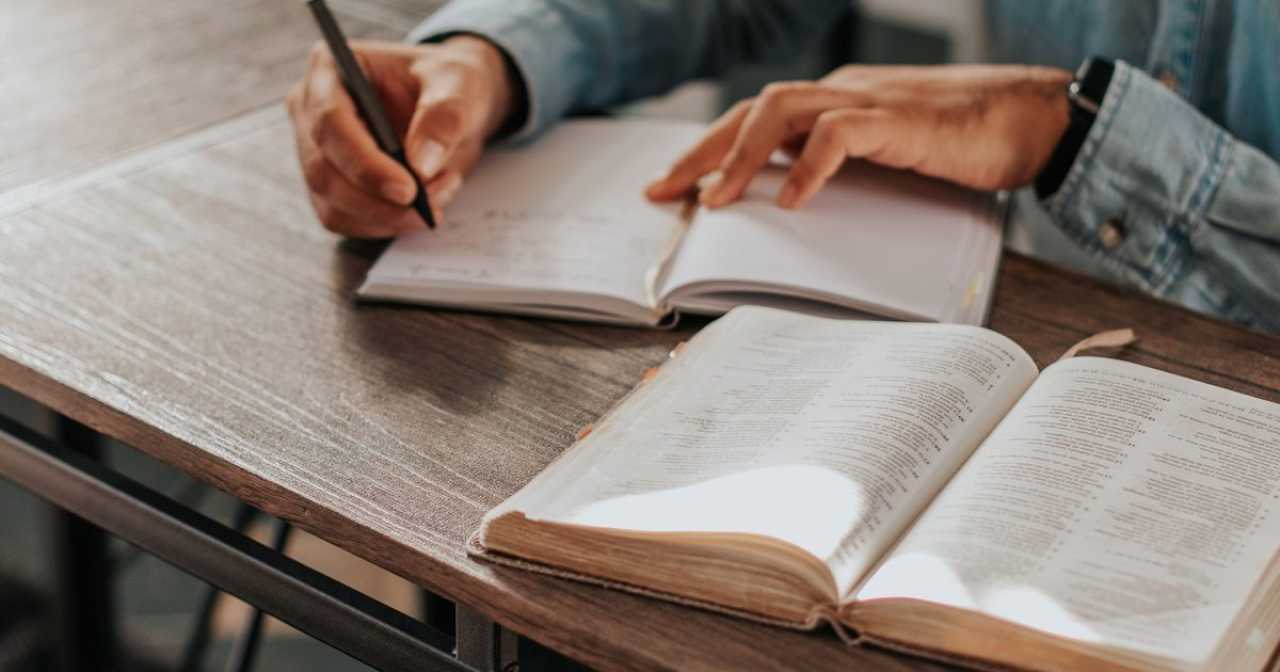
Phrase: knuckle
(449, 105)
(463, 67)
(829, 125)
(449, 66)
(316, 173)
(443, 117)
(324, 122)
(319, 54)
(366, 177)
(777, 93)
(742, 105)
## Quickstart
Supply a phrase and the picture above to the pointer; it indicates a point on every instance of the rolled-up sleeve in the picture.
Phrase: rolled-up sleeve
(1169, 201)
(591, 54)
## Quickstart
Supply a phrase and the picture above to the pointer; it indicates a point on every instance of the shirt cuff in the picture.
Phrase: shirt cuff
(533, 37)
(1140, 185)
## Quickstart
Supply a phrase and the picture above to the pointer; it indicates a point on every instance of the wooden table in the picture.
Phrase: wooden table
(173, 290)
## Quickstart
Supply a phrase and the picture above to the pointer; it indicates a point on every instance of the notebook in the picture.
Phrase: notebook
(924, 487)
(560, 228)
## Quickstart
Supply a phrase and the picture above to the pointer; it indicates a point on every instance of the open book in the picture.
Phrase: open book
(561, 228)
(925, 487)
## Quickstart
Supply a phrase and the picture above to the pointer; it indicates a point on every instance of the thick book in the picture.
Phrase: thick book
(561, 228)
(924, 487)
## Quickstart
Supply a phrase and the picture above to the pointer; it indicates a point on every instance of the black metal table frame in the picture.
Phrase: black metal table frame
(66, 472)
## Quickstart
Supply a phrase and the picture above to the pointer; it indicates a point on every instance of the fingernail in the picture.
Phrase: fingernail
(790, 192)
(446, 188)
(399, 192)
(430, 158)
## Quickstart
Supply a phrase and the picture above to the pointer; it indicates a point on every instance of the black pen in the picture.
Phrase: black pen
(367, 101)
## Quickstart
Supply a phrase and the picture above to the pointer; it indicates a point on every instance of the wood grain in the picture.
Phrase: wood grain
(194, 309)
(84, 82)
(179, 295)
(190, 305)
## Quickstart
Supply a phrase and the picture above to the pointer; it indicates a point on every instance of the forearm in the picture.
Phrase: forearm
(590, 54)
(1174, 204)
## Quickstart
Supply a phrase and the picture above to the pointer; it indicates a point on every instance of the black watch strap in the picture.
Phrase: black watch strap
(1085, 95)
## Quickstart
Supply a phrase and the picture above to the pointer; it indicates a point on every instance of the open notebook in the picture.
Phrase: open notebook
(561, 228)
(925, 486)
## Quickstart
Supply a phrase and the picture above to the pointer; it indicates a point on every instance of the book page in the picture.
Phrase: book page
(827, 434)
(877, 240)
(1116, 504)
(565, 213)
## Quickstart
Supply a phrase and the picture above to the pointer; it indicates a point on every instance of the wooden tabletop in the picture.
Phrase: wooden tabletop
(85, 82)
(173, 290)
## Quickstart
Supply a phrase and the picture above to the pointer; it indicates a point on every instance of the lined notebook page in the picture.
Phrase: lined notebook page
(564, 214)
(888, 242)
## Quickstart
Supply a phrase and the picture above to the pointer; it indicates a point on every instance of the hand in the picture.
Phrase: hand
(985, 127)
(444, 100)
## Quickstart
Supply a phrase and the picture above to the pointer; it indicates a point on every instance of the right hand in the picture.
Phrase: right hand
(443, 99)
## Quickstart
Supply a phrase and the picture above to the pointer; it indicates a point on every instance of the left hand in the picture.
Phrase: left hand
(985, 127)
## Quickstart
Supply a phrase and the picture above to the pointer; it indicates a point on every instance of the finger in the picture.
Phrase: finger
(783, 111)
(336, 128)
(357, 227)
(342, 206)
(445, 185)
(703, 158)
(449, 112)
(836, 136)
(369, 211)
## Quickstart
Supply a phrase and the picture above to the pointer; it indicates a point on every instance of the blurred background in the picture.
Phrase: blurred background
(156, 603)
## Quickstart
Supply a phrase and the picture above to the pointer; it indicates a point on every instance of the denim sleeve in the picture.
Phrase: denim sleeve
(1169, 201)
(591, 54)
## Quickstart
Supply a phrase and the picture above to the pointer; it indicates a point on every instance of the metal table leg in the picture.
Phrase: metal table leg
(323, 608)
(477, 639)
(246, 647)
(83, 605)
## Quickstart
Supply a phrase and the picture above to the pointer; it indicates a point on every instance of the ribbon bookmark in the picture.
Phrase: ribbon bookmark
(1116, 338)
(648, 375)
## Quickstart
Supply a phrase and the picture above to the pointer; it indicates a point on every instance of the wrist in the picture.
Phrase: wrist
(499, 74)
(1084, 96)
(1055, 119)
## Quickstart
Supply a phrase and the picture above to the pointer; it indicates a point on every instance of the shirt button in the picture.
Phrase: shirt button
(1111, 233)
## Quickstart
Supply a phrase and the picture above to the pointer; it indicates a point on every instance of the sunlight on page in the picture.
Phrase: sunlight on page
(925, 574)
(1030, 603)
(776, 501)
(827, 434)
(1115, 503)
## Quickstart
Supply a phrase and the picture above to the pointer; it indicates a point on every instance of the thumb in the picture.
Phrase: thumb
(449, 112)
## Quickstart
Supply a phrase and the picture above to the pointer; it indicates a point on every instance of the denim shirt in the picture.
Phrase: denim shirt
(1176, 190)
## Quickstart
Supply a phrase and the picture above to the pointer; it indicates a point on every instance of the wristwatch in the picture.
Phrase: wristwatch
(1084, 95)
